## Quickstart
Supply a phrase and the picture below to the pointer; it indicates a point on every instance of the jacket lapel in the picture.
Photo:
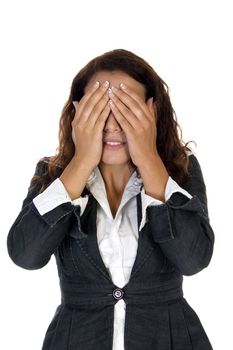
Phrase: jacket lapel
(88, 238)
(145, 247)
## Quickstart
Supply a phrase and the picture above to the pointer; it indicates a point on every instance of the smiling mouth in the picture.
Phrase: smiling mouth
(114, 143)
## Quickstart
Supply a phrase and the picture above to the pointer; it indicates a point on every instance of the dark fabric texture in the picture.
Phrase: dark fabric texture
(176, 240)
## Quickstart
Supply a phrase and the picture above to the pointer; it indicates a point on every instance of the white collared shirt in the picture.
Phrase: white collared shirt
(117, 237)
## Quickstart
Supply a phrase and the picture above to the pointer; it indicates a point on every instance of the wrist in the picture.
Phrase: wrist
(155, 176)
(81, 164)
(149, 162)
(75, 176)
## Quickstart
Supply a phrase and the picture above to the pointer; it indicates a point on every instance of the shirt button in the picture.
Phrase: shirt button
(118, 294)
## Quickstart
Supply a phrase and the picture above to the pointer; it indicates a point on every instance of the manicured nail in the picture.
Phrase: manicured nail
(110, 91)
(97, 84)
(123, 86)
(105, 84)
(110, 103)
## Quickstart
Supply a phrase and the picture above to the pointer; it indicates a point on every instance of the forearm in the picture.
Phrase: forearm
(154, 176)
(38, 231)
(183, 232)
(74, 177)
(33, 238)
(181, 225)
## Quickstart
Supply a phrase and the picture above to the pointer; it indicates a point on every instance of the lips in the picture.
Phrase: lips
(113, 145)
(113, 142)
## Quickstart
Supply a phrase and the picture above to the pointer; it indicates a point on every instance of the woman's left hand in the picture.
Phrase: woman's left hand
(138, 120)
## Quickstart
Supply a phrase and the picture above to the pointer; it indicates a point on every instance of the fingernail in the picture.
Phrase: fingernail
(110, 91)
(106, 83)
(123, 86)
(97, 84)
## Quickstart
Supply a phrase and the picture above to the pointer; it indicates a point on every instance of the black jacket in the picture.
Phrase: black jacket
(176, 240)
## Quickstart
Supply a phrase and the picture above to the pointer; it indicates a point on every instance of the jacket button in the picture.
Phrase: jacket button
(118, 294)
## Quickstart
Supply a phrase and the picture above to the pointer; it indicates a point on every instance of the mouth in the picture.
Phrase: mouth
(114, 145)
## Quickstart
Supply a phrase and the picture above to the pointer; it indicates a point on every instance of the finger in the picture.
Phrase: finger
(119, 107)
(87, 95)
(75, 103)
(131, 99)
(124, 123)
(89, 101)
(100, 122)
(149, 104)
(152, 108)
(78, 105)
(98, 110)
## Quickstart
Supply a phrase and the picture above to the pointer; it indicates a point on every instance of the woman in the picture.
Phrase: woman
(122, 206)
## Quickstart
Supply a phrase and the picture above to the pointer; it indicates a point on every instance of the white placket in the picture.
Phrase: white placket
(117, 258)
(118, 279)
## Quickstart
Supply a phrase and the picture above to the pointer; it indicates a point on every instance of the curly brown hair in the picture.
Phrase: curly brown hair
(170, 146)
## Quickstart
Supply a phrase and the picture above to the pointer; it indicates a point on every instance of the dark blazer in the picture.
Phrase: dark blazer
(176, 240)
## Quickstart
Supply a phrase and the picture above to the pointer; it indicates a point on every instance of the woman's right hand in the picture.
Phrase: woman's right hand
(91, 114)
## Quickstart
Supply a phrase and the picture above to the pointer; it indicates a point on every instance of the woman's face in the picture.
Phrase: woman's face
(116, 155)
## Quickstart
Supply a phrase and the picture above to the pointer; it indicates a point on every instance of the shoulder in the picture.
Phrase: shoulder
(42, 165)
(194, 167)
(45, 172)
(193, 163)
(195, 183)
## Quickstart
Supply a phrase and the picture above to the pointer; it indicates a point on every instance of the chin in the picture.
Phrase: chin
(114, 161)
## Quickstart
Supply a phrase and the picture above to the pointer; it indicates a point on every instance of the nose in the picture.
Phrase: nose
(112, 124)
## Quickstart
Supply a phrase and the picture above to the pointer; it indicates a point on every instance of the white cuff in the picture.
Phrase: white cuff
(171, 187)
(54, 195)
(82, 202)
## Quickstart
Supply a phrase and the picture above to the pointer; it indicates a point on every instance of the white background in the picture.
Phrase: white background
(43, 45)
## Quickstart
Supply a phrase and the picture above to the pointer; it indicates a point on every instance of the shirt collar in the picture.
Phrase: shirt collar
(96, 186)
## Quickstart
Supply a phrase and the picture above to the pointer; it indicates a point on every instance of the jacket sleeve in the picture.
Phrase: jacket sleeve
(33, 237)
(181, 225)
